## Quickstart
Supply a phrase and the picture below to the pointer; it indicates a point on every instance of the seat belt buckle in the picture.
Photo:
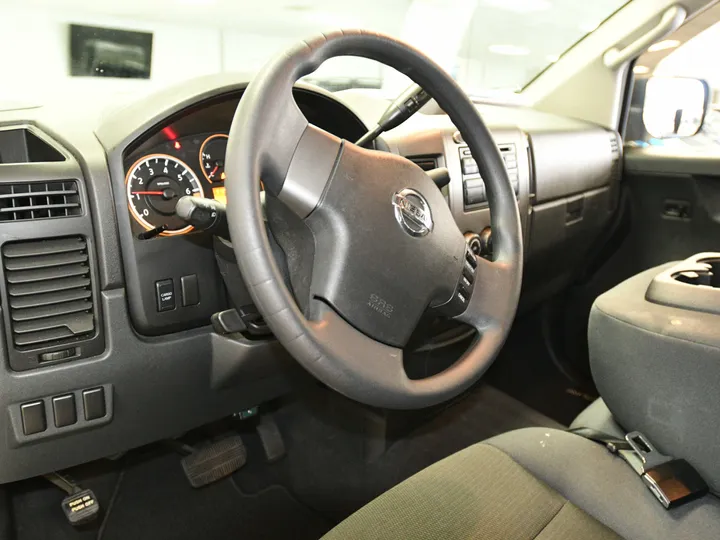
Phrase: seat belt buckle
(672, 481)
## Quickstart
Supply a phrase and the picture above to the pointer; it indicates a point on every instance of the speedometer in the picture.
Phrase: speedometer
(154, 184)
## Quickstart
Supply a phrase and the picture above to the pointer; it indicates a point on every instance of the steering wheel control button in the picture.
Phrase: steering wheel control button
(33, 417)
(473, 242)
(471, 260)
(94, 403)
(64, 410)
(165, 295)
(189, 290)
(412, 212)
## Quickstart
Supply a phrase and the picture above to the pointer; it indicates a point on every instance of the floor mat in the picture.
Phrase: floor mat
(325, 476)
(155, 501)
(326, 466)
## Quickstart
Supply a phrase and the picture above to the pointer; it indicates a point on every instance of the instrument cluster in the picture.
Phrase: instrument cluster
(192, 165)
(185, 156)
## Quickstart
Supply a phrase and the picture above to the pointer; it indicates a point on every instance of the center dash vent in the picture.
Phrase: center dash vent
(426, 163)
(49, 292)
(39, 200)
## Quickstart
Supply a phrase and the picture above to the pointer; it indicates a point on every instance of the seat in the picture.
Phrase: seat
(531, 483)
(597, 416)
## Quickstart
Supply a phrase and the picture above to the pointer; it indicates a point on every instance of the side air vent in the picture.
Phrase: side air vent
(49, 292)
(39, 200)
(616, 170)
(426, 163)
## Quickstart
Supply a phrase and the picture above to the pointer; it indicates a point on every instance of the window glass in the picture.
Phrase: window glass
(89, 49)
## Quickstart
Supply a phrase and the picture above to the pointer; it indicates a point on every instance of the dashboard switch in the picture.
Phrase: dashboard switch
(165, 294)
(189, 290)
(469, 166)
(33, 417)
(64, 410)
(94, 403)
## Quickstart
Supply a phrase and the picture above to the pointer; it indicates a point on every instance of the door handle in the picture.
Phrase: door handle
(676, 209)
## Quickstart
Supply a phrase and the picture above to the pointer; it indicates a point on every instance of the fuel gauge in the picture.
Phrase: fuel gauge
(212, 157)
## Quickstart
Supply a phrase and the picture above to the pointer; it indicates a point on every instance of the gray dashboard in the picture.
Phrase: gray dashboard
(160, 376)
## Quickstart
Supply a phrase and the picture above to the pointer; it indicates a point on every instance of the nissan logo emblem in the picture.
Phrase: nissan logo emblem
(412, 212)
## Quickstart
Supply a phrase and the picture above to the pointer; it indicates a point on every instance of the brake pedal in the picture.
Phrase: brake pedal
(80, 506)
(214, 461)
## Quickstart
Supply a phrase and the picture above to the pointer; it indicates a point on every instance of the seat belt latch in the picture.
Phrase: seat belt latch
(672, 481)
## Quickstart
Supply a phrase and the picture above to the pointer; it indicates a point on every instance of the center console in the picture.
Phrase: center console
(693, 284)
(655, 356)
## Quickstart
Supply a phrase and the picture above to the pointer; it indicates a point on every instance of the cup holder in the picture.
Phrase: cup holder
(692, 284)
(706, 273)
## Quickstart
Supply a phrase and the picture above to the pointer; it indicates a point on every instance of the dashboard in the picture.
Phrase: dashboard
(120, 323)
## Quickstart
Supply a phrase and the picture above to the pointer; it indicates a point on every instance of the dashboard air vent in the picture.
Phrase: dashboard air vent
(39, 200)
(426, 163)
(49, 291)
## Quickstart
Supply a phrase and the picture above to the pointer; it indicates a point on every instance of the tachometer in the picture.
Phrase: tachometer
(154, 184)
(212, 157)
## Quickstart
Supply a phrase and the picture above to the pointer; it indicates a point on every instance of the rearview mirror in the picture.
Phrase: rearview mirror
(675, 106)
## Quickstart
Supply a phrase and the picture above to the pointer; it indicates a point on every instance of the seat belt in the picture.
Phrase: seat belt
(613, 444)
(672, 481)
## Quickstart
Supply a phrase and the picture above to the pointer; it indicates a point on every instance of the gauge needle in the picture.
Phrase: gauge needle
(147, 193)
(212, 173)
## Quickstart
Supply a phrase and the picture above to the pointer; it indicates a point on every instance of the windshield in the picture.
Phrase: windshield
(58, 49)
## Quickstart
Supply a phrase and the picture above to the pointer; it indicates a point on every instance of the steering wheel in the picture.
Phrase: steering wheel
(386, 246)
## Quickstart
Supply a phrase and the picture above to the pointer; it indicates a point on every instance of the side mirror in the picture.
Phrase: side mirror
(675, 106)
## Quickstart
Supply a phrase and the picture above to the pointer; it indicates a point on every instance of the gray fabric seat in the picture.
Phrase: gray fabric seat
(597, 416)
(531, 483)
